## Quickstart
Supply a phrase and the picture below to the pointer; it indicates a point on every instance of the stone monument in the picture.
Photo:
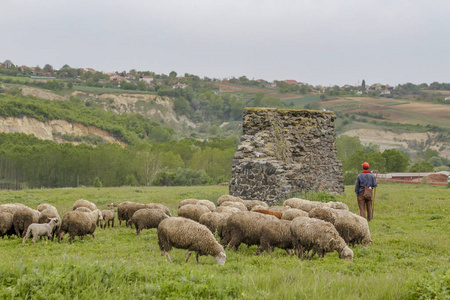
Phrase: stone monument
(283, 152)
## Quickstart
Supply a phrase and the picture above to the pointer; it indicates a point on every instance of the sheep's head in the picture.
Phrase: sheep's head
(221, 257)
(53, 220)
(346, 254)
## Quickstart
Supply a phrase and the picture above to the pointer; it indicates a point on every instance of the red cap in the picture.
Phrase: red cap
(365, 165)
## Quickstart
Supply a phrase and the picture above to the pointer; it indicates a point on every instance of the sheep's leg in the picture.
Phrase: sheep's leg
(168, 256)
(27, 235)
(196, 257)
(60, 236)
(34, 238)
(187, 256)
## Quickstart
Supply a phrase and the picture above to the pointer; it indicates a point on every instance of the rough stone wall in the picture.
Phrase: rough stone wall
(283, 152)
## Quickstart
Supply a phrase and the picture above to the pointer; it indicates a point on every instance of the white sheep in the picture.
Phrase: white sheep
(38, 229)
(353, 228)
(319, 236)
(84, 203)
(243, 227)
(292, 213)
(276, 233)
(187, 234)
(109, 216)
(78, 223)
(192, 211)
(147, 218)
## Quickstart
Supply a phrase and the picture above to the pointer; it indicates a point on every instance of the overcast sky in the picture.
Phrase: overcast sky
(320, 42)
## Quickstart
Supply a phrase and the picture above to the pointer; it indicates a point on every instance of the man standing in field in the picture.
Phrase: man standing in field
(366, 178)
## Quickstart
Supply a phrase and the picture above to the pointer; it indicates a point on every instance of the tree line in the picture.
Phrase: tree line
(39, 163)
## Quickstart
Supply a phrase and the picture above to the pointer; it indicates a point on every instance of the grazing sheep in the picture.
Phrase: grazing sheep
(276, 233)
(160, 206)
(227, 210)
(125, 211)
(256, 207)
(187, 234)
(353, 228)
(207, 203)
(302, 204)
(84, 203)
(83, 209)
(187, 201)
(278, 208)
(47, 214)
(307, 205)
(192, 211)
(252, 203)
(319, 236)
(292, 213)
(44, 229)
(6, 224)
(244, 227)
(44, 206)
(109, 215)
(323, 213)
(277, 214)
(22, 218)
(78, 223)
(147, 218)
(228, 198)
(212, 220)
(337, 205)
(239, 205)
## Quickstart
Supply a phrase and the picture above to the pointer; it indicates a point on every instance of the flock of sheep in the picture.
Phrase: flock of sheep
(301, 226)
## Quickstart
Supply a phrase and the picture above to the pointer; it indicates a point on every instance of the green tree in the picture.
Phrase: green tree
(347, 145)
(173, 74)
(422, 166)
(429, 153)
(395, 161)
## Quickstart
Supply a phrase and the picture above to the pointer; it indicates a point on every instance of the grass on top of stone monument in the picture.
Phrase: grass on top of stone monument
(409, 256)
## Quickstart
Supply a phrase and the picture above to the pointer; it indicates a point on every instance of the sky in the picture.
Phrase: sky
(319, 42)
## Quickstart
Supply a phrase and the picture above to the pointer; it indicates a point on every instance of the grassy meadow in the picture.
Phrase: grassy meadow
(408, 259)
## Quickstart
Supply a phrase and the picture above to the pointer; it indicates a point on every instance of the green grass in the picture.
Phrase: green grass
(408, 259)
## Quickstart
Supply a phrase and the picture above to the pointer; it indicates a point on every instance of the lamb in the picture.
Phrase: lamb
(84, 203)
(147, 218)
(292, 213)
(109, 215)
(276, 233)
(277, 214)
(47, 214)
(319, 236)
(78, 223)
(352, 228)
(6, 225)
(192, 211)
(212, 220)
(187, 234)
(44, 229)
(244, 227)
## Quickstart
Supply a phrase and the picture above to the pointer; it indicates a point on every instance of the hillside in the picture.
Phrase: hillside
(387, 122)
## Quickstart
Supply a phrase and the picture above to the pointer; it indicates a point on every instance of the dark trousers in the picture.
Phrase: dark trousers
(365, 205)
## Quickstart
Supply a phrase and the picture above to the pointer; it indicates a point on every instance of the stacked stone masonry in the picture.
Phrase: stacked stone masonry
(283, 152)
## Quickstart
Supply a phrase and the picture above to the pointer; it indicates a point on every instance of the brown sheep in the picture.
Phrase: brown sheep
(147, 218)
(277, 214)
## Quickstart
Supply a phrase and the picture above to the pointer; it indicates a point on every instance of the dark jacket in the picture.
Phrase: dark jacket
(365, 179)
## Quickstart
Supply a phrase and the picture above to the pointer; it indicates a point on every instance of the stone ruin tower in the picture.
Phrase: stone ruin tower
(283, 152)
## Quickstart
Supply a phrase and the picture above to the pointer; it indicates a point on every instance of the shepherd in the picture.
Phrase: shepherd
(365, 184)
